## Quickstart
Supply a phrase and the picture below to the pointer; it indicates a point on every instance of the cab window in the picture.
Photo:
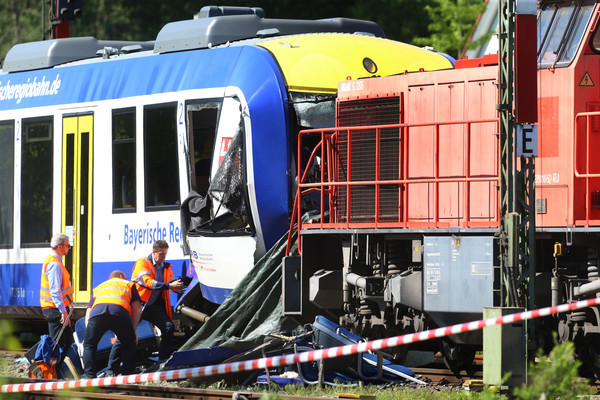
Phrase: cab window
(560, 32)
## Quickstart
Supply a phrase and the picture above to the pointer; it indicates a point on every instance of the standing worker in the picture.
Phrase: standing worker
(55, 293)
(115, 305)
(154, 278)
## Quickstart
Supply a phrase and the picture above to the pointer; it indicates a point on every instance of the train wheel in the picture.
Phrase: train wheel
(458, 357)
(397, 354)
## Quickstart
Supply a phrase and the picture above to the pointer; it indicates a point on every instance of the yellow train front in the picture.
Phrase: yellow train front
(407, 188)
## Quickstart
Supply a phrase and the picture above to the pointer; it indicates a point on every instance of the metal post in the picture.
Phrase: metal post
(517, 192)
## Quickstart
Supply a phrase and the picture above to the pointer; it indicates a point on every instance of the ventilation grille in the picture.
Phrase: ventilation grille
(363, 159)
(595, 199)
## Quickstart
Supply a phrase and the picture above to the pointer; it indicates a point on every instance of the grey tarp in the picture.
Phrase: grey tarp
(252, 310)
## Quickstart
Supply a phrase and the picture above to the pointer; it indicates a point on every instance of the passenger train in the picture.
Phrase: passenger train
(105, 140)
(407, 185)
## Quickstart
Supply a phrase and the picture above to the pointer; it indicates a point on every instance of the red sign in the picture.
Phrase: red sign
(224, 147)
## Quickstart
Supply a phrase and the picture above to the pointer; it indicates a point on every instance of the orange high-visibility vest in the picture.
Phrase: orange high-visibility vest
(144, 274)
(114, 291)
(67, 289)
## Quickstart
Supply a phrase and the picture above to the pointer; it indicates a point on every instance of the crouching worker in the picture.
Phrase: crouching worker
(115, 306)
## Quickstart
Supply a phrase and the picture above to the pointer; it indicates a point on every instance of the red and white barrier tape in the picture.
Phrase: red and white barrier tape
(308, 356)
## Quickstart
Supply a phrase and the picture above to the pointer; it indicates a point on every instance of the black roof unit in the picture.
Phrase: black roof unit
(219, 25)
(218, 11)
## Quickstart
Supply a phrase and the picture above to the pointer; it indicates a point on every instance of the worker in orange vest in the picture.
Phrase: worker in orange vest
(154, 278)
(55, 293)
(115, 306)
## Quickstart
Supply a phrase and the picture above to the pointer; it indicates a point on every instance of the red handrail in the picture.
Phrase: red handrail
(329, 181)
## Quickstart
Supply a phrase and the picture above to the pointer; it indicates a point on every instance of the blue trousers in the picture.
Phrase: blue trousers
(97, 326)
(156, 314)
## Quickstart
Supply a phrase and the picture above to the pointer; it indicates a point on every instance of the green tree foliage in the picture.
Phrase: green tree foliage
(402, 20)
(20, 21)
(452, 23)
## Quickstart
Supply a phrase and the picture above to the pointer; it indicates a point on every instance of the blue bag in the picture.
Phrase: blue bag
(45, 350)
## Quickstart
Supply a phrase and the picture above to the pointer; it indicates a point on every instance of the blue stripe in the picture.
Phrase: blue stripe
(20, 283)
(115, 79)
(214, 294)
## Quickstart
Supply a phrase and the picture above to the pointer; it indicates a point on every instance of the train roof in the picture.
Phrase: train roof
(49, 53)
(216, 26)
(213, 31)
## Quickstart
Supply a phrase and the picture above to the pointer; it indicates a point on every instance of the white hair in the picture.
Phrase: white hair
(57, 239)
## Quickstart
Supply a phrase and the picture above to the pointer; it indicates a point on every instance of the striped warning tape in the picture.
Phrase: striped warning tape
(291, 359)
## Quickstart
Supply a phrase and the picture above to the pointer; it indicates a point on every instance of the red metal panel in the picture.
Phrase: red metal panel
(452, 140)
(554, 168)
(548, 128)
(557, 205)
(483, 150)
(485, 61)
(459, 154)
(422, 152)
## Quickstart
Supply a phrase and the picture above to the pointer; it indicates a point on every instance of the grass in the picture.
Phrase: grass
(379, 392)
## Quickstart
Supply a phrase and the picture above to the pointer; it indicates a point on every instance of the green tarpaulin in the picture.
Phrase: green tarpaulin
(252, 310)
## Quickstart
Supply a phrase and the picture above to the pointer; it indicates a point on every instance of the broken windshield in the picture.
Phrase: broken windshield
(314, 110)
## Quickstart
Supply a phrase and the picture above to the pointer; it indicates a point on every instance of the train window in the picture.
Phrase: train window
(36, 181)
(201, 119)
(314, 110)
(595, 42)
(576, 34)
(7, 164)
(161, 172)
(560, 31)
(123, 160)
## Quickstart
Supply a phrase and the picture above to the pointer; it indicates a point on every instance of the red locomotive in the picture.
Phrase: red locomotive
(408, 190)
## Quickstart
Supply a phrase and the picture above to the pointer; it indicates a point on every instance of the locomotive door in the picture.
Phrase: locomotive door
(77, 200)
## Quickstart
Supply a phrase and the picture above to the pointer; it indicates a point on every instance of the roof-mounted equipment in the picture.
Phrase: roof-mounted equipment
(49, 53)
(220, 25)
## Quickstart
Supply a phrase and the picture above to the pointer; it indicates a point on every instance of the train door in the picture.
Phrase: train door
(77, 200)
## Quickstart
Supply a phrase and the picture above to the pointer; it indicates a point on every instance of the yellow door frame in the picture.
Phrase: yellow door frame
(76, 214)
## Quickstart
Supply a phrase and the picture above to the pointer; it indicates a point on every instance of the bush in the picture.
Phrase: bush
(555, 376)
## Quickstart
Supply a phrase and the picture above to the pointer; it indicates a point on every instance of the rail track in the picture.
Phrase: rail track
(144, 392)
(432, 376)
(445, 377)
